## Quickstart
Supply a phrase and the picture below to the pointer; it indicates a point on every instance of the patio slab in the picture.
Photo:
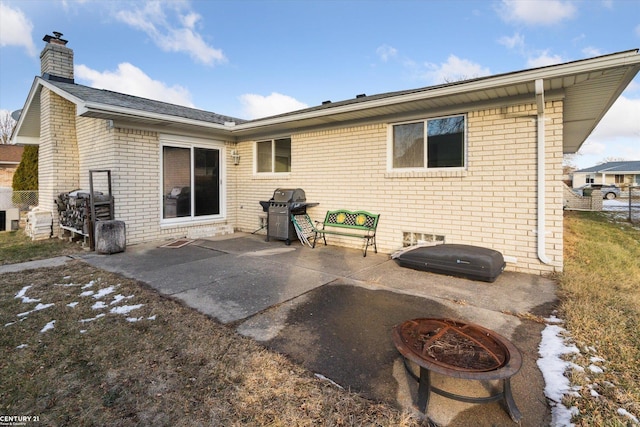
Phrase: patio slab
(332, 310)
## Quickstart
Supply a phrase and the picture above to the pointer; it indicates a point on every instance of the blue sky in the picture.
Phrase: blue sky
(251, 59)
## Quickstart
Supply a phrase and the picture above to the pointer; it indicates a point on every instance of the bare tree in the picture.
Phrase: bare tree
(612, 159)
(6, 126)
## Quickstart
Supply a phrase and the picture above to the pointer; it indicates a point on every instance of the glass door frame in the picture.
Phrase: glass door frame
(192, 144)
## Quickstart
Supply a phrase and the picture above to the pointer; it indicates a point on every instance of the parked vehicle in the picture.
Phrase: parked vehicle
(609, 191)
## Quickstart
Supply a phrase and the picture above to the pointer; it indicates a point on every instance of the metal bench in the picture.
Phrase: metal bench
(358, 224)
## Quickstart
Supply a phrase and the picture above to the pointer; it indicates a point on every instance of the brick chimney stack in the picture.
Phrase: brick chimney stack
(56, 59)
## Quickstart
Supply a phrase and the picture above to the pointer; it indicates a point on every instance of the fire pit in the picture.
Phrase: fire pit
(459, 350)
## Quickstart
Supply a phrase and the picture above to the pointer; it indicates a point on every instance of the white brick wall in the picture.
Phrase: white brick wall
(58, 151)
(491, 204)
(57, 60)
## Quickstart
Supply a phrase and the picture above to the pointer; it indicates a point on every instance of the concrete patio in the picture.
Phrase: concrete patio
(332, 310)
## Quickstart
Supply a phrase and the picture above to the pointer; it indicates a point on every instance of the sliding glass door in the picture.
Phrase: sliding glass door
(191, 182)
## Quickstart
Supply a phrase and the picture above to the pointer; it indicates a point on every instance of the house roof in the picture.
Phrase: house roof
(628, 167)
(100, 103)
(10, 154)
(588, 88)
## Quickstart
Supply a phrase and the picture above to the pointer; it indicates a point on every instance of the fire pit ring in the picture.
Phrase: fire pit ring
(459, 350)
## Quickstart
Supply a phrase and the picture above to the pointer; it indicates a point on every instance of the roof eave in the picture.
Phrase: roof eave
(105, 111)
(626, 58)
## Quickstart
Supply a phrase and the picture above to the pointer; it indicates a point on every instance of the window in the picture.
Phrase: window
(273, 156)
(191, 183)
(444, 147)
(589, 179)
(619, 179)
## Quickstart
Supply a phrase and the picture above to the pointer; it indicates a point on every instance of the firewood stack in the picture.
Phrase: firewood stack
(74, 210)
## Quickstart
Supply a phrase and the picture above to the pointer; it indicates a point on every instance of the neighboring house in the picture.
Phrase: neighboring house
(10, 157)
(478, 162)
(618, 173)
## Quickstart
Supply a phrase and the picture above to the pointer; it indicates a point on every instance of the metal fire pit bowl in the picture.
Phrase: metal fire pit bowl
(459, 350)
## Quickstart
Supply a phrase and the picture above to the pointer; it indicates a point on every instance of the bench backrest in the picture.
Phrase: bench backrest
(359, 220)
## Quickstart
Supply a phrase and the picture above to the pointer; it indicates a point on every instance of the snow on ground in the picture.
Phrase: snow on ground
(620, 209)
(48, 326)
(554, 348)
(112, 306)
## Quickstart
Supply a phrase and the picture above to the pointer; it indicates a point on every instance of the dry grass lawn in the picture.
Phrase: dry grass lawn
(16, 247)
(85, 347)
(600, 301)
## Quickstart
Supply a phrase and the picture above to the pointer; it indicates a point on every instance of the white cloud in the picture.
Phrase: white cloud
(514, 42)
(592, 148)
(621, 121)
(386, 52)
(591, 51)
(172, 37)
(618, 133)
(15, 29)
(257, 106)
(132, 80)
(454, 69)
(535, 12)
(544, 59)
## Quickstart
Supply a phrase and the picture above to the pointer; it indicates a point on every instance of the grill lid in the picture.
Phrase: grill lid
(287, 195)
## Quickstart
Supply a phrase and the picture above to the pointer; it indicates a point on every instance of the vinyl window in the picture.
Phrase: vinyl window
(429, 144)
(273, 156)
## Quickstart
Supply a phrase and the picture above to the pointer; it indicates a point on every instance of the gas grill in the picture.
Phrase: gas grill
(284, 203)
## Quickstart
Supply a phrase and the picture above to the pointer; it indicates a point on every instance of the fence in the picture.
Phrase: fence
(634, 204)
(23, 200)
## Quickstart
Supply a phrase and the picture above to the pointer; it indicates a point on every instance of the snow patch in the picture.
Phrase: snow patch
(22, 295)
(125, 309)
(625, 413)
(88, 285)
(48, 326)
(92, 318)
(103, 292)
(552, 348)
(596, 369)
(119, 297)
(99, 305)
(38, 307)
(323, 378)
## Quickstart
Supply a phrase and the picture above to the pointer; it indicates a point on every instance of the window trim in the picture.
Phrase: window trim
(192, 143)
(425, 168)
(273, 157)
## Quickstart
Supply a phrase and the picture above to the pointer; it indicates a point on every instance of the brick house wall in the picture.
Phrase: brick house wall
(58, 153)
(133, 157)
(492, 204)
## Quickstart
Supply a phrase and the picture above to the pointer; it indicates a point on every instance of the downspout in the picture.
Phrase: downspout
(542, 256)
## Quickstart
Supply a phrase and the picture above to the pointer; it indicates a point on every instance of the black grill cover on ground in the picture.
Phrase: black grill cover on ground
(468, 261)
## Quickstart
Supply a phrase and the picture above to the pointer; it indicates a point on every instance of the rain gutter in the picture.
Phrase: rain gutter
(542, 256)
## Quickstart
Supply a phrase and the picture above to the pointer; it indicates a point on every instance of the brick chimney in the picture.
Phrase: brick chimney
(56, 59)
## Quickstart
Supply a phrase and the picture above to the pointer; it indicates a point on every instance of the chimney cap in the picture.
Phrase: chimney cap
(56, 38)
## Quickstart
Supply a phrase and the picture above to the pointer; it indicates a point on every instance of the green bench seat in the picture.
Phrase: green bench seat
(357, 224)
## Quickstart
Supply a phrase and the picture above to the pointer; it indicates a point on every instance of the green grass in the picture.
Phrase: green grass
(15, 247)
(600, 302)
